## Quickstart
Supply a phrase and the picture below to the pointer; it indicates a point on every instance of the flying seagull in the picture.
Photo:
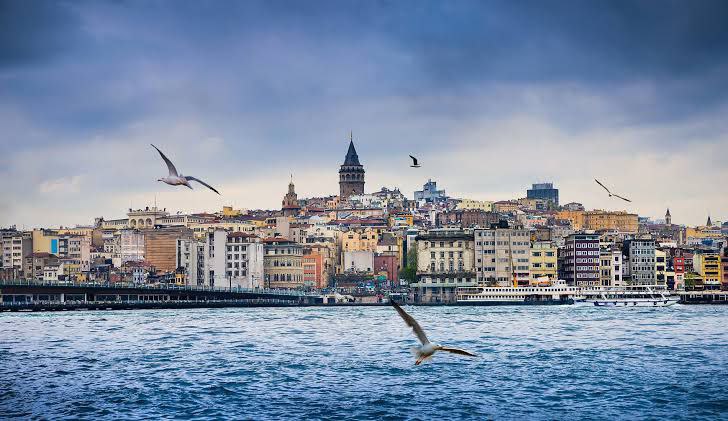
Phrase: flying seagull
(610, 193)
(414, 162)
(174, 179)
(428, 349)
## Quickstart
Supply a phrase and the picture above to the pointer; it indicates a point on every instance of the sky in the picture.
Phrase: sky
(491, 96)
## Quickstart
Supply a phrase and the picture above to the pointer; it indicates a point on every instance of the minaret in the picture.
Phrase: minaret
(351, 173)
(668, 217)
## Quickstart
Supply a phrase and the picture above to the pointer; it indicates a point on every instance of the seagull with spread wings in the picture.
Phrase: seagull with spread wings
(427, 349)
(414, 162)
(175, 179)
(610, 193)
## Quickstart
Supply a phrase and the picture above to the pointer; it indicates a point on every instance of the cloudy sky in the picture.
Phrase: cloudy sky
(491, 95)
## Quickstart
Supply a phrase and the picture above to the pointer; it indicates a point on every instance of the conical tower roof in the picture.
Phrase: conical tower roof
(351, 157)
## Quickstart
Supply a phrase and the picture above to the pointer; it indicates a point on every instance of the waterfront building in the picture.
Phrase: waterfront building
(579, 260)
(724, 268)
(500, 254)
(642, 261)
(283, 263)
(544, 191)
(444, 262)
(313, 267)
(351, 174)
(244, 259)
(191, 260)
(610, 265)
(543, 261)
(15, 247)
(708, 266)
(430, 193)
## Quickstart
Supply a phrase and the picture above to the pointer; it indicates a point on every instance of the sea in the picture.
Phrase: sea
(533, 362)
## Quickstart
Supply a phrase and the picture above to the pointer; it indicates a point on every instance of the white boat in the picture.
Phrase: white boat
(556, 293)
(632, 296)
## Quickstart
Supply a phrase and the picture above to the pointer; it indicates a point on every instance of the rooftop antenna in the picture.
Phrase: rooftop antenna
(351, 136)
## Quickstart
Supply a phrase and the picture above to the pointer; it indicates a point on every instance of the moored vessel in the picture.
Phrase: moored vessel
(544, 294)
(632, 296)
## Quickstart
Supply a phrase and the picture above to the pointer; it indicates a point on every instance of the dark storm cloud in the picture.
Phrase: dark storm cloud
(32, 32)
(286, 80)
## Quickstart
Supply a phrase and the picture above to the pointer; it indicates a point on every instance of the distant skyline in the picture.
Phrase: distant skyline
(491, 96)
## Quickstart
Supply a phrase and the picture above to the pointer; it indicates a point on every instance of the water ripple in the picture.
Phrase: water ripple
(568, 362)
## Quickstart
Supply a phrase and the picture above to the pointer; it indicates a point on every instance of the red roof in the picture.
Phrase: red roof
(241, 235)
(276, 240)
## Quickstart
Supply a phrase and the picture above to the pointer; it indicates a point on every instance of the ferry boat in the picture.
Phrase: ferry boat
(632, 296)
(556, 292)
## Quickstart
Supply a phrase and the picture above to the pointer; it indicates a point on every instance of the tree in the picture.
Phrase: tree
(409, 272)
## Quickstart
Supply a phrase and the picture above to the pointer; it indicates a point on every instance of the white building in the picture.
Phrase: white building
(244, 260)
(224, 259)
(15, 246)
(130, 246)
(358, 261)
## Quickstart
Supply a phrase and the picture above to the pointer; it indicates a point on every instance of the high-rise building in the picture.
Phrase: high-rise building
(544, 191)
(351, 174)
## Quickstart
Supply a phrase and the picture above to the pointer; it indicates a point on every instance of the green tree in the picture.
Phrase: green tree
(409, 271)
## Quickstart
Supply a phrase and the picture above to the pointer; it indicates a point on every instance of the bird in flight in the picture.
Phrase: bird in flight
(427, 349)
(414, 162)
(610, 193)
(174, 179)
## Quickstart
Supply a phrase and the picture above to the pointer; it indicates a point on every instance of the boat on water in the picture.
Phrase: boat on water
(632, 296)
(553, 293)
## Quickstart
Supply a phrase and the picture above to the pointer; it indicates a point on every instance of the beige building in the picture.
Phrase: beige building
(606, 220)
(445, 260)
(469, 204)
(283, 263)
(365, 239)
(543, 261)
(501, 253)
(145, 218)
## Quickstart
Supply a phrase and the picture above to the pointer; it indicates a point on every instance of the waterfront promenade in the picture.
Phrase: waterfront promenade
(23, 295)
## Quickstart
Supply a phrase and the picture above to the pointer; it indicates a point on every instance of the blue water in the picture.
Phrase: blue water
(565, 362)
